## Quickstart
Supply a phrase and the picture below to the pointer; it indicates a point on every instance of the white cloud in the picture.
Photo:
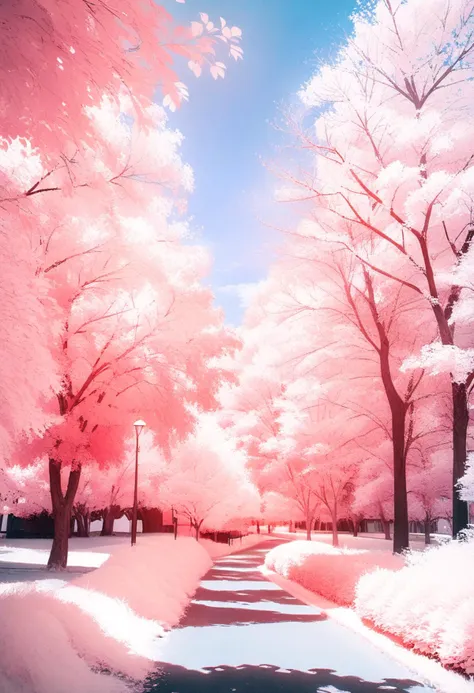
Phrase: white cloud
(244, 292)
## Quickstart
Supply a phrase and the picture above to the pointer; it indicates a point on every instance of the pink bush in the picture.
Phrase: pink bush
(429, 604)
(331, 572)
(54, 633)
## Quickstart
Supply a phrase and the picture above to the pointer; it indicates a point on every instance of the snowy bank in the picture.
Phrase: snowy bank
(54, 635)
(429, 604)
(329, 571)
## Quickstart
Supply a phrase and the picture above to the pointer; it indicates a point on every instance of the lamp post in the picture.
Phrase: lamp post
(139, 425)
(175, 522)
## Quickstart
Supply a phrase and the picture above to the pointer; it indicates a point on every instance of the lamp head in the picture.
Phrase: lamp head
(139, 425)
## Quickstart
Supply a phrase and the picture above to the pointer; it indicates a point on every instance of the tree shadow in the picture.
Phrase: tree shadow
(207, 615)
(266, 678)
(248, 596)
(250, 575)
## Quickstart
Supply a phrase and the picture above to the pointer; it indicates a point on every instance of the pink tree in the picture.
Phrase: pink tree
(50, 137)
(430, 490)
(278, 508)
(298, 432)
(137, 332)
(110, 493)
(59, 56)
(373, 496)
(394, 168)
(207, 481)
(47, 129)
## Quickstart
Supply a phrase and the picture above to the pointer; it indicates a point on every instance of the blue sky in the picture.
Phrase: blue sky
(229, 126)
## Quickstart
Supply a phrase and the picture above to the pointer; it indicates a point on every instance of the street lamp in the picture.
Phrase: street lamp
(174, 518)
(139, 425)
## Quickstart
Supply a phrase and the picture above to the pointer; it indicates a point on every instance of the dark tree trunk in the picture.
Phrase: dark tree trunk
(459, 390)
(460, 425)
(83, 523)
(355, 528)
(309, 524)
(110, 514)
(401, 533)
(427, 524)
(398, 409)
(335, 535)
(386, 529)
(62, 511)
(197, 528)
(258, 527)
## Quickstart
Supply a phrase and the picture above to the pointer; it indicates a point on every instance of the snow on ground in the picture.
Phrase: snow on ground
(55, 633)
(439, 678)
(372, 542)
(425, 600)
(429, 604)
(331, 572)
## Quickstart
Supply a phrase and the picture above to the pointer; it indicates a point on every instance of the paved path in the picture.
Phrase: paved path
(244, 634)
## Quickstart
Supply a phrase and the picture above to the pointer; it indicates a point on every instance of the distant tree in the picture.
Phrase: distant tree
(207, 482)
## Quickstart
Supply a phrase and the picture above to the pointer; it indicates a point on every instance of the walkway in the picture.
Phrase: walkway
(244, 634)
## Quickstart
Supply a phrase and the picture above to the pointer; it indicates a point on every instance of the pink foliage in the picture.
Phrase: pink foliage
(58, 57)
(417, 605)
(199, 470)
(331, 572)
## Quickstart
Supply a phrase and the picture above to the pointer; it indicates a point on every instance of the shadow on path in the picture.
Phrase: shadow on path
(267, 679)
(239, 619)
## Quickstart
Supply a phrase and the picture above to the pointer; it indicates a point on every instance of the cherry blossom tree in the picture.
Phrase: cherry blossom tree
(430, 490)
(138, 333)
(109, 494)
(207, 482)
(393, 162)
(278, 508)
(59, 57)
(50, 137)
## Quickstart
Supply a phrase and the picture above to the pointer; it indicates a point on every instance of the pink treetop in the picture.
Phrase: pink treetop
(279, 508)
(138, 332)
(206, 479)
(59, 56)
(115, 485)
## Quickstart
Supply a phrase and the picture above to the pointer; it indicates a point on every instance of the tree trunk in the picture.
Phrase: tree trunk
(386, 529)
(427, 533)
(460, 425)
(80, 523)
(401, 534)
(290, 526)
(355, 528)
(62, 510)
(82, 517)
(309, 524)
(398, 408)
(108, 520)
(427, 524)
(335, 535)
(197, 528)
(258, 527)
